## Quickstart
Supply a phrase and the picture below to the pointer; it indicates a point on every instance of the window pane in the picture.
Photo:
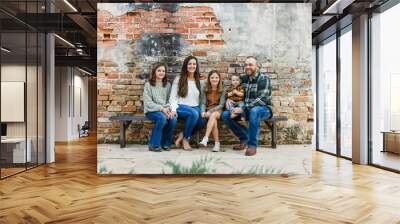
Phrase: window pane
(31, 96)
(346, 93)
(14, 153)
(386, 88)
(327, 97)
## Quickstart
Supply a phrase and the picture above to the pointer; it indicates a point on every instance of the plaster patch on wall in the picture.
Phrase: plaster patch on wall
(122, 8)
(281, 37)
(120, 53)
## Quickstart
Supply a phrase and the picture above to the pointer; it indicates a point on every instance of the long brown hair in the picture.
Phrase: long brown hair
(208, 87)
(183, 79)
(152, 78)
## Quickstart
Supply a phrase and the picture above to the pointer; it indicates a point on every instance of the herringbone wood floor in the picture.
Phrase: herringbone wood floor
(70, 191)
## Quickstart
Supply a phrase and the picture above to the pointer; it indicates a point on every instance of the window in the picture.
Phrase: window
(346, 93)
(22, 75)
(327, 96)
(385, 87)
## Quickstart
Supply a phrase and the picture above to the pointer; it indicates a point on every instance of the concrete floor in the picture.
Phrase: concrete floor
(136, 159)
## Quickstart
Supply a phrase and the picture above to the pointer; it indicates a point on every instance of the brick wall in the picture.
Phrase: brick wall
(131, 41)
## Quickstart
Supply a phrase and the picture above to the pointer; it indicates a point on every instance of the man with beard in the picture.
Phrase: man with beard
(256, 107)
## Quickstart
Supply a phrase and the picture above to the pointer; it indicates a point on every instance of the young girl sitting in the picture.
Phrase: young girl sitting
(212, 104)
(156, 108)
(235, 94)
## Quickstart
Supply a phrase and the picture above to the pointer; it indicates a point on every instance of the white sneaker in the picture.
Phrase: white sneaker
(216, 147)
(204, 142)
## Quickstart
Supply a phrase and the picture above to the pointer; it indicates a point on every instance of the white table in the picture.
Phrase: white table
(18, 149)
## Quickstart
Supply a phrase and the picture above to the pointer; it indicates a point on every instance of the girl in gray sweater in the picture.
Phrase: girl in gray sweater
(156, 108)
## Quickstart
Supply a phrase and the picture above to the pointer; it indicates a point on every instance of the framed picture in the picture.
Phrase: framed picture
(201, 88)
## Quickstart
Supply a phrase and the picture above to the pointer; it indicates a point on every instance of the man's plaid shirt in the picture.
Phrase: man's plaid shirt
(257, 91)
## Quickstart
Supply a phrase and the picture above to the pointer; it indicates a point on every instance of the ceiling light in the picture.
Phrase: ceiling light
(70, 5)
(5, 49)
(86, 72)
(338, 6)
(65, 41)
(331, 7)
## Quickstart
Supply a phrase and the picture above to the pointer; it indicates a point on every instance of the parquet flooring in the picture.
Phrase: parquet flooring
(70, 191)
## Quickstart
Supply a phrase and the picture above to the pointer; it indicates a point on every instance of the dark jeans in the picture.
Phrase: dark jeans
(163, 130)
(254, 116)
(193, 121)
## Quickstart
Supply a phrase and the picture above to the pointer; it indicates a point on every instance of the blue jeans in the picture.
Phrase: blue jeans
(193, 121)
(163, 130)
(254, 117)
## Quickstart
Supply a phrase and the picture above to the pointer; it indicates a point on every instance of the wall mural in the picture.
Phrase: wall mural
(133, 37)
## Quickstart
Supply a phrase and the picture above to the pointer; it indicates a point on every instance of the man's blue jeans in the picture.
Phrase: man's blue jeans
(163, 130)
(254, 116)
(193, 121)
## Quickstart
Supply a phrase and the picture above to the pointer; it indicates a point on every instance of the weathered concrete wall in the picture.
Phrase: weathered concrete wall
(131, 37)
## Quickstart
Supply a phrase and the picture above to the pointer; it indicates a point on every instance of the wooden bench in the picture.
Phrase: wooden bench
(271, 123)
(125, 120)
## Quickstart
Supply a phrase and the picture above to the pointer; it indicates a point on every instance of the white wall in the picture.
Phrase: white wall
(61, 103)
(69, 82)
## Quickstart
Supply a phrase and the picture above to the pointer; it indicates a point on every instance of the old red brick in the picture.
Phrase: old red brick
(102, 97)
(129, 109)
(217, 42)
(201, 42)
(163, 25)
(172, 20)
(109, 64)
(180, 30)
(302, 98)
(204, 8)
(107, 36)
(214, 31)
(191, 25)
(200, 53)
(198, 14)
(208, 14)
(112, 75)
(107, 42)
(188, 20)
(180, 25)
(188, 9)
(180, 13)
(203, 19)
(104, 92)
(197, 31)
(133, 13)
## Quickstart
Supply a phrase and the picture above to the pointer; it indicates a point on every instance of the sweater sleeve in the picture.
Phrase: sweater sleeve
(168, 94)
(203, 98)
(173, 96)
(148, 102)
